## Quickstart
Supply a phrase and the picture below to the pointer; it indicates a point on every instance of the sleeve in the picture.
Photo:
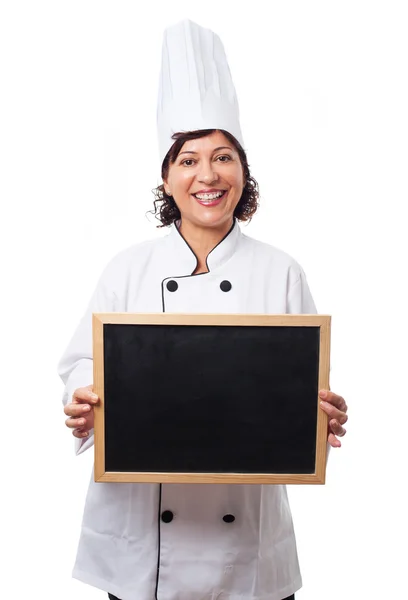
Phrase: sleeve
(76, 364)
(300, 301)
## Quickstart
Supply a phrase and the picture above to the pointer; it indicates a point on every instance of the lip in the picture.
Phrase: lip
(214, 202)
(210, 191)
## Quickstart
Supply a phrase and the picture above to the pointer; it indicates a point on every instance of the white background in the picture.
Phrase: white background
(323, 95)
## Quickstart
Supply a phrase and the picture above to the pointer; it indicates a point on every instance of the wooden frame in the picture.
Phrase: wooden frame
(323, 322)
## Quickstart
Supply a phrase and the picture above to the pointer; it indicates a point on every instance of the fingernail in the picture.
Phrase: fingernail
(86, 408)
(81, 422)
(93, 396)
(85, 433)
(325, 404)
(322, 394)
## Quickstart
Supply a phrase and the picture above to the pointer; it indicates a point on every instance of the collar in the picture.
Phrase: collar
(220, 254)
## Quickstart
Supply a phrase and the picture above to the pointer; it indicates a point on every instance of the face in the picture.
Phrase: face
(206, 181)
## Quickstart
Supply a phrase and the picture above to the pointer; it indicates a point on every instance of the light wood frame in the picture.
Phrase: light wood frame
(321, 321)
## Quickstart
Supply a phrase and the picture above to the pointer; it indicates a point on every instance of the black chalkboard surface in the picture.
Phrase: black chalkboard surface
(210, 398)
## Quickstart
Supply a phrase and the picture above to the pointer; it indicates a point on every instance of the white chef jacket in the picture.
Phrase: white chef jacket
(141, 541)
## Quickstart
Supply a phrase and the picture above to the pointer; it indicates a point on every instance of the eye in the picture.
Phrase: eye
(224, 157)
(188, 160)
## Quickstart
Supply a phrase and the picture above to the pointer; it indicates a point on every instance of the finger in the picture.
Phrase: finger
(336, 428)
(335, 399)
(333, 441)
(75, 423)
(78, 433)
(333, 412)
(76, 410)
(84, 395)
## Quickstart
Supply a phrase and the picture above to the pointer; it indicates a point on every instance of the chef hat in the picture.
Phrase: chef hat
(195, 89)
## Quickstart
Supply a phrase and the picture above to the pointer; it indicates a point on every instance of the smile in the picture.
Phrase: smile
(210, 199)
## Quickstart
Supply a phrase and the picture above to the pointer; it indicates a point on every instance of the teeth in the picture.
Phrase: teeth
(209, 196)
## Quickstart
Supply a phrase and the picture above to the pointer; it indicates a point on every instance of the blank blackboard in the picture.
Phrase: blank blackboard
(210, 398)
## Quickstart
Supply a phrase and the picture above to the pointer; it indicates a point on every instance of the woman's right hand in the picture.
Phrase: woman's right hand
(81, 411)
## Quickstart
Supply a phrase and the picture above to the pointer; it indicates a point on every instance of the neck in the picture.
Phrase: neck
(203, 239)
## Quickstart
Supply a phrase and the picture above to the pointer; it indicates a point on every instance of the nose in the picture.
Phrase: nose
(208, 173)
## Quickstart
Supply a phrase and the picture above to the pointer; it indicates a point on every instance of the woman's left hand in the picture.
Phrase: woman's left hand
(336, 408)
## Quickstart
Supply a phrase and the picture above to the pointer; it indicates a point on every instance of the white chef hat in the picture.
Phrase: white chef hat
(195, 89)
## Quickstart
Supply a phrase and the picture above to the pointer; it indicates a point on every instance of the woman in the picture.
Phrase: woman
(175, 541)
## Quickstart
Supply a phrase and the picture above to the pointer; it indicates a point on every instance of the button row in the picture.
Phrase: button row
(167, 517)
(172, 286)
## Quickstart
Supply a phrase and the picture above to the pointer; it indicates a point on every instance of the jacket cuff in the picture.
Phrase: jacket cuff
(82, 444)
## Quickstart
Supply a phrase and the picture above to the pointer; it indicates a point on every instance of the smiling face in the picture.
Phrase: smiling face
(206, 181)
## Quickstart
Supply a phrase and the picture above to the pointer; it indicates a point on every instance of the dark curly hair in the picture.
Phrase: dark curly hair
(165, 208)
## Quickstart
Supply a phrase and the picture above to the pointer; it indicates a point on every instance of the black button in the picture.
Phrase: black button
(225, 286)
(228, 518)
(167, 516)
(172, 285)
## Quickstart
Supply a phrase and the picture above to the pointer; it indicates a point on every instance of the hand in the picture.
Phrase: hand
(336, 408)
(81, 411)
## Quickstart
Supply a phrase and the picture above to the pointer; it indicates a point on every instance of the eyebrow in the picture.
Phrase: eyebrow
(215, 150)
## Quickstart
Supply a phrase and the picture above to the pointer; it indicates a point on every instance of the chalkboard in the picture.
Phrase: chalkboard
(210, 398)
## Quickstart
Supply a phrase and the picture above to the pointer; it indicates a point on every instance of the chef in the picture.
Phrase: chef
(191, 541)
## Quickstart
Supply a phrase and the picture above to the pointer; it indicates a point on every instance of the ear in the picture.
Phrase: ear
(166, 187)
